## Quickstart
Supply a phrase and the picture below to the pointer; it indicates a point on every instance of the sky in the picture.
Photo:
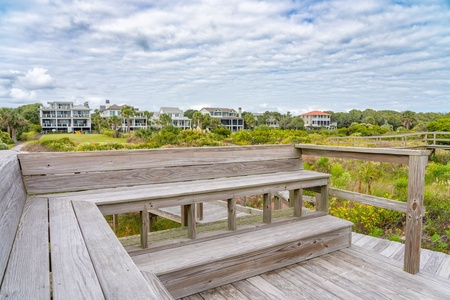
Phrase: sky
(273, 55)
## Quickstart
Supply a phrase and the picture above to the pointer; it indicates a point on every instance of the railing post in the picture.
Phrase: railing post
(416, 182)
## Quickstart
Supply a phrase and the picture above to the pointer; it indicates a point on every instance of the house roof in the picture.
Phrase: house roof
(212, 109)
(315, 113)
(171, 110)
(114, 107)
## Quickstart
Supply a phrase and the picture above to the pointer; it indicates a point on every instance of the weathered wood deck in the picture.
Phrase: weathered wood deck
(352, 273)
(432, 262)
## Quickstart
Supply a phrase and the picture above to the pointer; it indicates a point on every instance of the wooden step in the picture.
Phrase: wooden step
(189, 269)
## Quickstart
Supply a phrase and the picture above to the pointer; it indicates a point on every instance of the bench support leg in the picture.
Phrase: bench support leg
(152, 220)
(184, 216)
(276, 203)
(144, 228)
(115, 223)
(291, 198)
(190, 210)
(267, 209)
(200, 211)
(297, 199)
(232, 214)
(322, 199)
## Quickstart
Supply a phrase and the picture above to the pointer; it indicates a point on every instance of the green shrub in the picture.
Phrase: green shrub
(28, 136)
(5, 138)
(3, 146)
(62, 144)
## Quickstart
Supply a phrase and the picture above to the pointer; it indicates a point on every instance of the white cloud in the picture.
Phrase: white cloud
(37, 78)
(22, 95)
(289, 55)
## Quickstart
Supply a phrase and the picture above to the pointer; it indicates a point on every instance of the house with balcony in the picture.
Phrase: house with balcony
(317, 119)
(230, 118)
(177, 116)
(64, 116)
(138, 121)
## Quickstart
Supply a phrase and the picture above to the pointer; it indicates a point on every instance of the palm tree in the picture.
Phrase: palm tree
(114, 122)
(165, 120)
(12, 121)
(408, 119)
(148, 115)
(97, 120)
(127, 112)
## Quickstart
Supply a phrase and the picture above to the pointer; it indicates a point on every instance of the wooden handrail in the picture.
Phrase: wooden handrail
(417, 161)
(403, 138)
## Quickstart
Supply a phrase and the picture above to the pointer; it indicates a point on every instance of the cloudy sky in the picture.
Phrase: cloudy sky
(278, 55)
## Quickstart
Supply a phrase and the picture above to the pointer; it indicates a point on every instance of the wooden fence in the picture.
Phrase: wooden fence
(417, 161)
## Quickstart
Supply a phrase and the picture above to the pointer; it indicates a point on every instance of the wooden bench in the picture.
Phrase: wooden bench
(64, 242)
(129, 181)
(78, 188)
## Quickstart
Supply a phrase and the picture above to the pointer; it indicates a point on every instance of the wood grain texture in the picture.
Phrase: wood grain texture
(368, 199)
(27, 275)
(191, 268)
(135, 177)
(231, 209)
(280, 181)
(156, 285)
(63, 162)
(190, 209)
(267, 208)
(373, 154)
(12, 200)
(297, 201)
(414, 213)
(351, 273)
(73, 275)
(117, 274)
(145, 225)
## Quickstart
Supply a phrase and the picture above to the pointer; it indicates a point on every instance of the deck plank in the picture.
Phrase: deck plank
(321, 288)
(27, 275)
(230, 292)
(73, 274)
(267, 288)
(110, 258)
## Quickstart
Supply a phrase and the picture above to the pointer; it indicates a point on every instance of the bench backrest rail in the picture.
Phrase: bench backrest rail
(65, 172)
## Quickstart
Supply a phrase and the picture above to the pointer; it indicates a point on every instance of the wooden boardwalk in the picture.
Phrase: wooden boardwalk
(432, 262)
(370, 269)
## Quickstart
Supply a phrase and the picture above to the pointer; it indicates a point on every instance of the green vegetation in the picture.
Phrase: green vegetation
(390, 181)
(82, 138)
(378, 179)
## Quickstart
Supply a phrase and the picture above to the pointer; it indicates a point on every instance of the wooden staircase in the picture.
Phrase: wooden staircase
(188, 269)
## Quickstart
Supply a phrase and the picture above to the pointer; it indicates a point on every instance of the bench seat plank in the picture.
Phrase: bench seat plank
(27, 275)
(117, 274)
(73, 274)
(199, 190)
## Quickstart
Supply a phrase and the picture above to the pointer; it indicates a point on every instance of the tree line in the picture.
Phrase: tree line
(15, 123)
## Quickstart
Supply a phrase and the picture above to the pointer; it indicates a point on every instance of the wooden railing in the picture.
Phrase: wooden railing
(416, 160)
(407, 140)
